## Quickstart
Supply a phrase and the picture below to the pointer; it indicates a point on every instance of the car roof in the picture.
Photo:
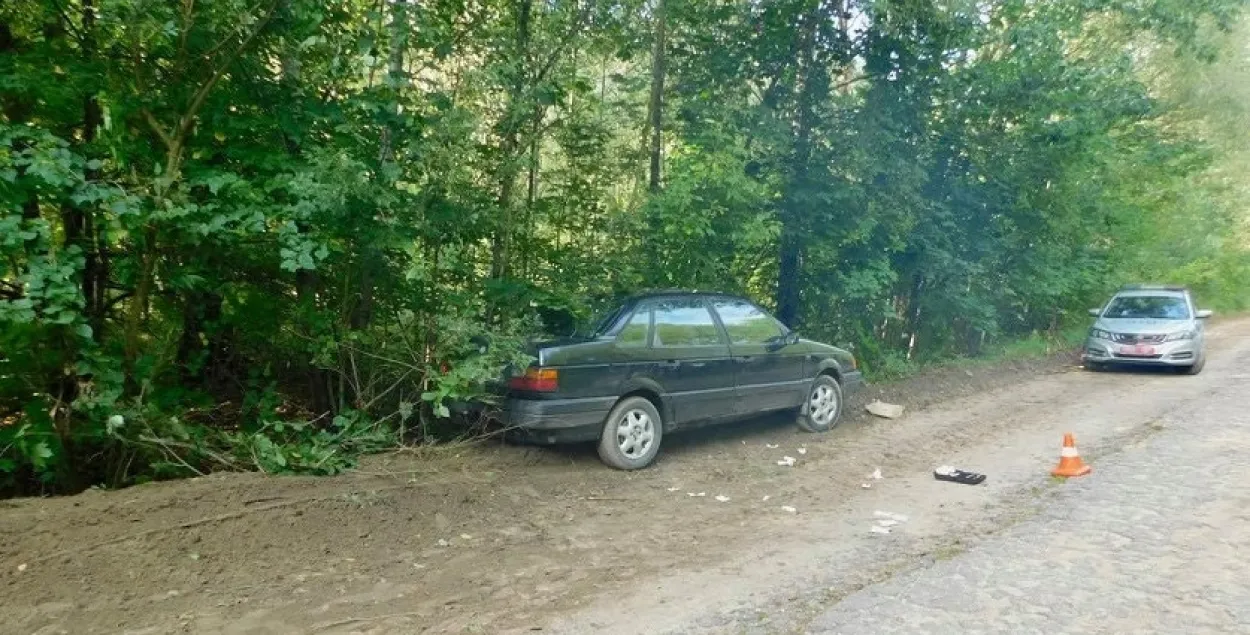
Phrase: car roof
(665, 293)
(1176, 288)
(1152, 293)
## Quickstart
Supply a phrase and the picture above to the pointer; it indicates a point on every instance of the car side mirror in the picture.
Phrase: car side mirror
(1095, 312)
(1204, 314)
(778, 342)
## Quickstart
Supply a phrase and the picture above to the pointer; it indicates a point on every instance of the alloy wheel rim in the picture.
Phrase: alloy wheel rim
(823, 404)
(635, 433)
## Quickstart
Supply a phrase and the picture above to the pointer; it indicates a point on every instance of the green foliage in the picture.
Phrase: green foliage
(274, 235)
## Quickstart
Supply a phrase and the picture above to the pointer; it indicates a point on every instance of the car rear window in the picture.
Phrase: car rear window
(684, 322)
(634, 333)
(1154, 307)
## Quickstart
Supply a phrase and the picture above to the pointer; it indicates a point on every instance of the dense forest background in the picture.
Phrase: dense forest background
(272, 234)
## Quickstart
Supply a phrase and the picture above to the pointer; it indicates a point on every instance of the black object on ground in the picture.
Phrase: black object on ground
(948, 473)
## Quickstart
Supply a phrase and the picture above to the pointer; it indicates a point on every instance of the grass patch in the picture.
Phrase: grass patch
(948, 552)
(1033, 346)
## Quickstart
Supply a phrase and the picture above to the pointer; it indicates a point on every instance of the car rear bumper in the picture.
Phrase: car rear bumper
(1179, 353)
(556, 420)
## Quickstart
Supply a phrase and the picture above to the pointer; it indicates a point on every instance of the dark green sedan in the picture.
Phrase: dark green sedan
(665, 361)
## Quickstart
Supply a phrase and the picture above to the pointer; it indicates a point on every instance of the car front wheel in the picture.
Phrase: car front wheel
(823, 407)
(631, 435)
(1196, 367)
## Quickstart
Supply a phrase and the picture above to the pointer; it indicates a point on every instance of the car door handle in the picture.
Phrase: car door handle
(672, 363)
(698, 364)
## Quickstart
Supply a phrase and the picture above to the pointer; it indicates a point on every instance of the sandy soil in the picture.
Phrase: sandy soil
(498, 538)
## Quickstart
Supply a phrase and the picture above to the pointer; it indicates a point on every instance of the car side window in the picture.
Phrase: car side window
(684, 322)
(634, 333)
(746, 323)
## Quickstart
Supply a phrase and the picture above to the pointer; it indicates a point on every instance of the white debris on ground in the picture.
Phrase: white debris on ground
(696, 495)
(787, 508)
(876, 475)
(674, 489)
(765, 499)
(884, 410)
(722, 499)
(886, 521)
(866, 485)
(21, 567)
(802, 450)
(771, 446)
(787, 461)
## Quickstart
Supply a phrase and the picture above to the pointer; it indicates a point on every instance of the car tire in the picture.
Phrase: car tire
(631, 434)
(825, 395)
(1196, 367)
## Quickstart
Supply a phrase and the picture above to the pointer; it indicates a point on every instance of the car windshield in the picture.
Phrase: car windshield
(1152, 307)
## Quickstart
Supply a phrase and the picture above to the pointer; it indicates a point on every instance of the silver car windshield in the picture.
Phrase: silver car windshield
(1148, 307)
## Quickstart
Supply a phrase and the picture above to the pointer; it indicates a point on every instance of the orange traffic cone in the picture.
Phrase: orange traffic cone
(1069, 460)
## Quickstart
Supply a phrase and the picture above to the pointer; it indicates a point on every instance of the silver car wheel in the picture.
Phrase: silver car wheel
(822, 404)
(635, 432)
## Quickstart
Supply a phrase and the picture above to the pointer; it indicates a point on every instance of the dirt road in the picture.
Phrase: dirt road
(502, 539)
(1153, 542)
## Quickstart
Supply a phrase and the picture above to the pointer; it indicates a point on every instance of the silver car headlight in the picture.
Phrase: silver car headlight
(1181, 335)
(1100, 334)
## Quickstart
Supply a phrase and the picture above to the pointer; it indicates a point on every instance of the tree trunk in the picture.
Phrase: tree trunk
(201, 310)
(510, 132)
(95, 267)
(795, 201)
(371, 259)
(13, 106)
(656, 107)
(913, 311)
(788, 270)
(531, 190)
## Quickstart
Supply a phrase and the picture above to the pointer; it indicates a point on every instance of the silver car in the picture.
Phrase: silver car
(1147, 325)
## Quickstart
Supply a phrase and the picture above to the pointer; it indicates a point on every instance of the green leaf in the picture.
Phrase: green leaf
(41, 452)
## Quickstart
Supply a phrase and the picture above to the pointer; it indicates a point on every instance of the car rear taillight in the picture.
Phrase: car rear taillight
(536, 380)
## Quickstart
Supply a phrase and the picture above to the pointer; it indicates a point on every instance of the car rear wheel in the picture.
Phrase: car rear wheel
(631, 435)
(823, 408)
